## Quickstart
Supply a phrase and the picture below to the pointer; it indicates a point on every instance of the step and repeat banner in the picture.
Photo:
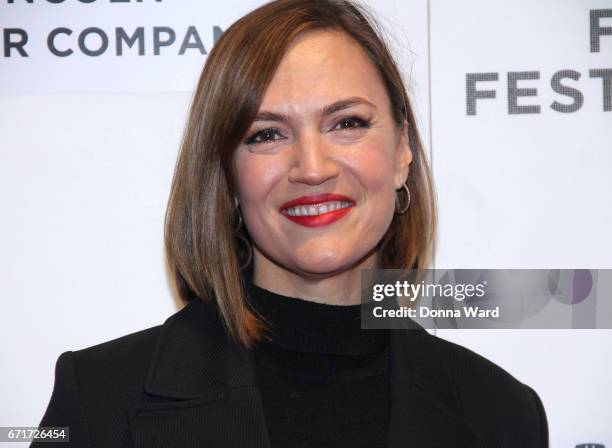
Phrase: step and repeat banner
(521, 139)
(514, 104)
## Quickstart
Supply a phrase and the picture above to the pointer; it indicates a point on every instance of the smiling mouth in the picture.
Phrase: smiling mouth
(316, 209)
(317, 215)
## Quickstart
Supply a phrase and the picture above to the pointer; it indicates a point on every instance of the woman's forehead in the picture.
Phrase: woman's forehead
(321, 67)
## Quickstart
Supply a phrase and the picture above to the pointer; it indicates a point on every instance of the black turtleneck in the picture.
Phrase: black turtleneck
(324, 381)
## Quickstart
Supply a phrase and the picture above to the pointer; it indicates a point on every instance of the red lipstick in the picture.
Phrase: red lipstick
(317, 220)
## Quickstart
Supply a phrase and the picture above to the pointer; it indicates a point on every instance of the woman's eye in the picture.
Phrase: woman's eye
(352, 122)
(264, 136)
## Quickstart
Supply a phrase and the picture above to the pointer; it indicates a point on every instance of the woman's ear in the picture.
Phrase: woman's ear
(403, 156)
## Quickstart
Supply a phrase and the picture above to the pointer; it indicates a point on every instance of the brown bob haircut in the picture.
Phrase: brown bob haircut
(205, 252)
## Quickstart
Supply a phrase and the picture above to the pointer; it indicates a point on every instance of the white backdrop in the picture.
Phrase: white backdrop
(88, 144)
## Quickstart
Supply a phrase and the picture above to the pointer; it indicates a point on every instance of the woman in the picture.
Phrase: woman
(301, 165)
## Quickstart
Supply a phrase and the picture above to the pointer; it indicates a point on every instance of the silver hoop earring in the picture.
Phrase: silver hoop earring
(237, 229)
(240, 236)
(404, 208)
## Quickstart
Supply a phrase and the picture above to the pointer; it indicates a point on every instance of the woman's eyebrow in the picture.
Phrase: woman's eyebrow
(326, 110)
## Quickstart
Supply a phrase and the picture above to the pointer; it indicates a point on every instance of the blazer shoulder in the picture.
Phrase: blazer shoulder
(489, 395)
(467, 366)
(95, 385)
(118, 365)
(123, 351)
(113, 372)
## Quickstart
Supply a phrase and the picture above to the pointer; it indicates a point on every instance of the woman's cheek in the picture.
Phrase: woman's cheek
(374, 169)
(253, 178)
(259, 181)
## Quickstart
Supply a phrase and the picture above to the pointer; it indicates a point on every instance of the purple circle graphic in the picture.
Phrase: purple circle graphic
(583, 284)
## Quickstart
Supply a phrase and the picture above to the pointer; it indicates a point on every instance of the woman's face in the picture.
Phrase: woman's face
(324, 128)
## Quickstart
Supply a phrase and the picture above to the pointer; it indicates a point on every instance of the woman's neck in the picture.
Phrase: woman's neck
(341, 288)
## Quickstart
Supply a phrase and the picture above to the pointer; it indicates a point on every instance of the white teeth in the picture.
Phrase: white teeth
(318, 209)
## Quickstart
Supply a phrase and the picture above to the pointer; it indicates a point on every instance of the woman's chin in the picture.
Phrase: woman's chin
(324, 266)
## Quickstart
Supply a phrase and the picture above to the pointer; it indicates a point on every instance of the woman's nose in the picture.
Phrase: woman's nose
(312, 162)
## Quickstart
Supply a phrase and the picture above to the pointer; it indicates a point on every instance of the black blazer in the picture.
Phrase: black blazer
(185, 384)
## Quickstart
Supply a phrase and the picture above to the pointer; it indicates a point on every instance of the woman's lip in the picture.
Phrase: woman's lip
(319, 220)
(315, 199)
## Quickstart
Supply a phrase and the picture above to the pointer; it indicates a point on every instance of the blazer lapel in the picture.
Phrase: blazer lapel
(424, 409)
(201, 390)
